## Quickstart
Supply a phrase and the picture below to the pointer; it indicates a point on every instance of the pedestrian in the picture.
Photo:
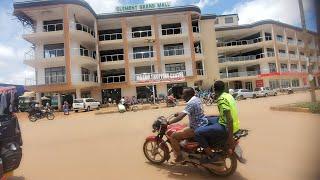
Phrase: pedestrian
(65, 108)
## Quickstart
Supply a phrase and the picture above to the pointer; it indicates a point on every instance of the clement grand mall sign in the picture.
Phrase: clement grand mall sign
(159, 77)
(141, 7)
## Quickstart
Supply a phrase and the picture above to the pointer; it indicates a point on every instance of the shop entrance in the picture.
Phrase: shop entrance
(176, 89)
(249, 86)
(114, 94)
(145, 92)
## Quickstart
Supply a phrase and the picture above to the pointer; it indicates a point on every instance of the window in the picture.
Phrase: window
(228, 20)
(168, 29)
(294, 66)
(142, 52)
(53, 25)
(143, 31)
(274, 84)
(285, 83)
(216, 21)
(284, 67)
(173, 49)
(55, 75)
(176, 67)
(292, 52)
(53, 50)
(303, 67)
(144, 92)
(272, 67)
(143, 69)
(85, 74)
(295, 83)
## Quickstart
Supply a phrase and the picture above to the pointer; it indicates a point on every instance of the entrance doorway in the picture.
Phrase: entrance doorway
(237, 85)
(114, 94)
(176, 89)
(145, 92)
(249, 86)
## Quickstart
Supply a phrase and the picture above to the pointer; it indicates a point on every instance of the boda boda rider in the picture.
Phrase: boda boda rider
(197, 119)
(219, 128)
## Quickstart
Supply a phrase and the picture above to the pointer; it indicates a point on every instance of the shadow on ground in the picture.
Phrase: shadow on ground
(189, 172)
(16, 178)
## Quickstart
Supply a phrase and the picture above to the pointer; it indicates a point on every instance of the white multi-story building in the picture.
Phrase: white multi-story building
(78, 53)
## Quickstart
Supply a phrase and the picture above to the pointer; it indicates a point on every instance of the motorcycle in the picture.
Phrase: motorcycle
(35, 115)
(156, 149)
(171, 101)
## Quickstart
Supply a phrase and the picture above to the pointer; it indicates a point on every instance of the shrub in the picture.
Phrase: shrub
(315, 107)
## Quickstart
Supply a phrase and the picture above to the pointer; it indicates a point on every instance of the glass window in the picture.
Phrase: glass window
(142, 52)
(228, 20)
(295, 83)
(272, 67)
(173, 49)
(274, 84)
(176, 67)
(294, 66)
(285, 83)
(55, 75)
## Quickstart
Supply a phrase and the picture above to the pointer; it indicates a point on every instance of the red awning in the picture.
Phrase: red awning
(7, 89)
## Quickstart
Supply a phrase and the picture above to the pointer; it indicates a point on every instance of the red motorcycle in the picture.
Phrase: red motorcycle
(156, 149)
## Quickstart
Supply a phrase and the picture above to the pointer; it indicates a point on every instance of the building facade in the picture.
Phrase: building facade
(78, 53)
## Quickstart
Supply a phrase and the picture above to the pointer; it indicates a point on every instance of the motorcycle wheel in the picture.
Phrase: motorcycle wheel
(154, 153)
(50, 116)
(230, 166)
(32, 118)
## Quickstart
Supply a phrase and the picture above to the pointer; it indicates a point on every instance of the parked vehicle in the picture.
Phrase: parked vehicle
(171, 101)
(264, 92)
(287, 90)
(37, 113)
(156, 149)
(241, 94)
(86, 104)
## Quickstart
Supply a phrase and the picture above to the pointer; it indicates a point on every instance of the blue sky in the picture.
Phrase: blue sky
(13, 47)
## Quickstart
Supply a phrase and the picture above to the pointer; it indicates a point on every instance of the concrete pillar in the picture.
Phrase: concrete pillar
(97, 53)
(38, 98)
(287, 48)
(59, 101)
(227, 72)
(78, 93)
(275, 47)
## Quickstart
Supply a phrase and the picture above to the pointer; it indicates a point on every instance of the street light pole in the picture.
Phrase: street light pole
(150, 42)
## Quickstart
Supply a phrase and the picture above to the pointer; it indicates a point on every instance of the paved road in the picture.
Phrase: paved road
(281, 145)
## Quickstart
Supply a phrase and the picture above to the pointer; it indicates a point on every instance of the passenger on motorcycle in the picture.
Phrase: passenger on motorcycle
(219, 128)
(194, 110)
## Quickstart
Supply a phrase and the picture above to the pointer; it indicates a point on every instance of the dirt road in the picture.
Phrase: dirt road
(281, 145)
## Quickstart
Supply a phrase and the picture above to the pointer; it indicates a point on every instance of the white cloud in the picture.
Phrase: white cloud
(203, 3)
(286, 11)
(104, 6)
(6, 52)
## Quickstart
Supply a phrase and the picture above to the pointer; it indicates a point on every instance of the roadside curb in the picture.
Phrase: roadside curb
(292, 109)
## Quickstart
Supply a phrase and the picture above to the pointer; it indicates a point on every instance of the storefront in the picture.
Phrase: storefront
(114, 94)
(176, 89)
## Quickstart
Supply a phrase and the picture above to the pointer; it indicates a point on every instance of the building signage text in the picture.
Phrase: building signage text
(141, 7)
(159, 77)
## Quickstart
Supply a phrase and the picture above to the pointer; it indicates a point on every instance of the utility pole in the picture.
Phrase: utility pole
(310, 75)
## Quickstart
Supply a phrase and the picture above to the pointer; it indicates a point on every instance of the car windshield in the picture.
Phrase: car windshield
(257, 89)
(236, 90)
(78, 101)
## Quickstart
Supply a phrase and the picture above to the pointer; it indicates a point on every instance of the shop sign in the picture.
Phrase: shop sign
(141, 7)
(259, 83)
(159, 77)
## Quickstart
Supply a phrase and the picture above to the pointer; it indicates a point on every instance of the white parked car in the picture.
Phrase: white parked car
(243, 94)
(264, 92)
(85, 104)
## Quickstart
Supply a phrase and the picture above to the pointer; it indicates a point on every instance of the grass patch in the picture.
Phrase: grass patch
(313, 107)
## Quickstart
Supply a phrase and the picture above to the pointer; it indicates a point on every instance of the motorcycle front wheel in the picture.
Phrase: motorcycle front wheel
(154, 153)
(50, 116)
(32, 118)
(227, 169)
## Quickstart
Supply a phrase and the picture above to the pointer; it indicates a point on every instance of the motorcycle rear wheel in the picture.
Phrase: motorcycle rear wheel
(50, 116)
(152, 150)
(33, 118)
(227, 171)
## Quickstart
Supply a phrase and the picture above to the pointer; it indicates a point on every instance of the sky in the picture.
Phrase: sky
(13, 47)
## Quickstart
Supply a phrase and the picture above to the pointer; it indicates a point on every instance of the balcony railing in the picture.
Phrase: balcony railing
(195, 29)
(241, 58)
(140, 34)
(303, 58)
(171, 31)
(175, 72)
(239, 42)
(300, 43)
(29, 55)
(114, 79)
(89, 78)
(112, 57)
(313, 59)
(270, 54)
(53, 27)
(268, 38)
(46, 80)
(284, 70)
(82, 27)
(238, 74)
(52, 53)
(142, 55)
(173, 52)
(283, 55)
(200, 72)
(84, 52)
(292, 42)
(109, 37)
(279, 39)
(293, 56)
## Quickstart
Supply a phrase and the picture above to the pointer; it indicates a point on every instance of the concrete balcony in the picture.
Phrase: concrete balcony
(47, 58)
(172, 35)
(237, 45)
(245, 60)
(114, 79)
(51, 33)
(138, 37)
(85, 80)
(83, 33)
(46, 80)
(313, 59)
(84, 56)
(111, 39)
(293, 57)
(142, 58)
(292, 42)
(237, 75)
(303, 58)
(175, 55)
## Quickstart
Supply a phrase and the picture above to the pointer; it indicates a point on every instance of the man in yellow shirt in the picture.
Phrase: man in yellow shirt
(222, 127)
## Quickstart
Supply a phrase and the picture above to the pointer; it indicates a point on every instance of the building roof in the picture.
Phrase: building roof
(263, 22)
(36, 3)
